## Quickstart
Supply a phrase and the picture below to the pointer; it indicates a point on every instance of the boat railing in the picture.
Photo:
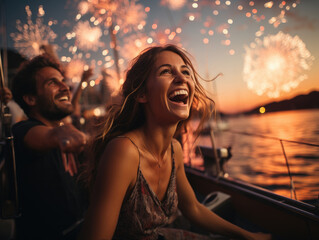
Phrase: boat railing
(281, 141)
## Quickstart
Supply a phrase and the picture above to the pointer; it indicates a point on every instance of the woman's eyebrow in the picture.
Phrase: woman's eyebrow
(164, 65)
(169, 65)
(185, 66)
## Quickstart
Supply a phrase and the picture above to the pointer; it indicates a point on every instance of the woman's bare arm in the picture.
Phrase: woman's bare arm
(116, 174)
(198, 214)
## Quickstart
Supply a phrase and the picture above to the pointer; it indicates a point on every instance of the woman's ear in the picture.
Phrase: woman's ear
(142, 98)
(30, 100)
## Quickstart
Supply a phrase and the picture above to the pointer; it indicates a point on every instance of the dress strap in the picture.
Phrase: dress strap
(139, 154)
(172, 149)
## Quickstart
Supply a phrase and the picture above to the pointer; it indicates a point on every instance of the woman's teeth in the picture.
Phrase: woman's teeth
(179, 96)
(179, 92)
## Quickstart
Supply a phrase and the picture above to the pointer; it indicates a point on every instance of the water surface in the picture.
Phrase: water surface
(261, 161)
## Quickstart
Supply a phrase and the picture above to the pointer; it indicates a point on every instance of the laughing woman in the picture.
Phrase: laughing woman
(137, 176)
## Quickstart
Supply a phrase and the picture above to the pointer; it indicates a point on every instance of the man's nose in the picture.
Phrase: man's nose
(63, 86)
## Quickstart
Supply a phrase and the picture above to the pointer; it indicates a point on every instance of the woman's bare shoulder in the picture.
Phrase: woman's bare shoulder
(123, 144)
(121, 152)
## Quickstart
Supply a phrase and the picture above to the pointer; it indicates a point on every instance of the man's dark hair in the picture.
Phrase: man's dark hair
(24, 83)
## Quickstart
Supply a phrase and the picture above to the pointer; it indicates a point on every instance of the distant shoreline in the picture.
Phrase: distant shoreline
(303, 101)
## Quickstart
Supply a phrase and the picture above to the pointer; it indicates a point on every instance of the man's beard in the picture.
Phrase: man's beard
(53, 112)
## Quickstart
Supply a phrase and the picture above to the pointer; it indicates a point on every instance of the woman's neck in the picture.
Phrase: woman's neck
(158, 138)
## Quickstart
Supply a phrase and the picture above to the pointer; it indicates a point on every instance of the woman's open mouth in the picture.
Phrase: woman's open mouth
(179, 96)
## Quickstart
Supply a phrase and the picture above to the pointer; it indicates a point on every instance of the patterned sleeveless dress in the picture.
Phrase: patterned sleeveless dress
(143, 216)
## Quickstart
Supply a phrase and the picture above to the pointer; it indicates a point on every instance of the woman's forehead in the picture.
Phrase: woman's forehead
(169, 57)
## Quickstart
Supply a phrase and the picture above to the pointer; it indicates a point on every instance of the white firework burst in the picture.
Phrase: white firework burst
(32, 36)
(87, 37)
(276, 64)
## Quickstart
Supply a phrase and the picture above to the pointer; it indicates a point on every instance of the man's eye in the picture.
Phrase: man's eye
(52, 83)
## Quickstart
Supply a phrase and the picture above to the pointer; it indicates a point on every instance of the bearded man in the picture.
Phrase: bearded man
(46, 150)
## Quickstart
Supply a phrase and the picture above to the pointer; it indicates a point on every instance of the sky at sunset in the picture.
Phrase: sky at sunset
(265, 50)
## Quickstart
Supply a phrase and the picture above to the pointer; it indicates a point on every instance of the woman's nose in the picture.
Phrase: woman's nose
(180, 77)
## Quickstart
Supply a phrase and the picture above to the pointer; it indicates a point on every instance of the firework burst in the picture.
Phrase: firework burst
(32, 36)
(74, 70)
(166, 37)
(132, 17)
(276, 64)
(133, 45)
(174, 4)
(127, 15)
(109, 76)
(83, 7)
(87, 37)
(276, 21)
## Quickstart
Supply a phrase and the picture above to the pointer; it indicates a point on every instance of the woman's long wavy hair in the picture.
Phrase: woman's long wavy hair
(129, 115)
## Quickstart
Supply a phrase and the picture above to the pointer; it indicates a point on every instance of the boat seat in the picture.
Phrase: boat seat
(216, 200)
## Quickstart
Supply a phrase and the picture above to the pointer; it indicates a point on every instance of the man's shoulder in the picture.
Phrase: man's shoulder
(24, 126)
(29, 121)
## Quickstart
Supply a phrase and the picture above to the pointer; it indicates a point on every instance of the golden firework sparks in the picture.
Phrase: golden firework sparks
(74, 70)
(132, 17)
(32, 36)
(127, 15)
(134, 44)
(87, 37)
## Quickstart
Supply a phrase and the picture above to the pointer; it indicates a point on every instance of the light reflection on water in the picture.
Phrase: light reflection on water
(261, 161)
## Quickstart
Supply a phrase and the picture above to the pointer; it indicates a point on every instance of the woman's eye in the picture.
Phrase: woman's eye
(186, 72)
(164, 71)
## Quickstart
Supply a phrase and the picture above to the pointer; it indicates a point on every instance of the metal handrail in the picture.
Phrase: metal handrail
(274, 138)
(293, 190)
